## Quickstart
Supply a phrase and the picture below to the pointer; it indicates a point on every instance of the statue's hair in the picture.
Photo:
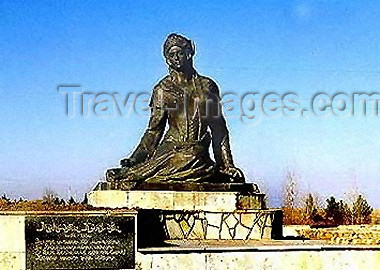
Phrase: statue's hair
(180, 41)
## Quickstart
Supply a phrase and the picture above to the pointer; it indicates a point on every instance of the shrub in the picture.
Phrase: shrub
(310, 209)
(361, 211)
(334, 210)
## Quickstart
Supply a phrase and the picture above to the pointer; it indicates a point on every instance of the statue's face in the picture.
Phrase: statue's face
(178, 58)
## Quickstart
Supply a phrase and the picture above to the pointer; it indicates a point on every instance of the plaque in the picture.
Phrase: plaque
(80, 242)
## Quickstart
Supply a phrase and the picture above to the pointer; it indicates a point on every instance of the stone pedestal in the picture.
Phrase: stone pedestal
(194, 211)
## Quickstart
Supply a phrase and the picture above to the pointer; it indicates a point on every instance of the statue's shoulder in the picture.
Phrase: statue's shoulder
(163, 84)
(209, 84)
(160, 87)
(162, 91)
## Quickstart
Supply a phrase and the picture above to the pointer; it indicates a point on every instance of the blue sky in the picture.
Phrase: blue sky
(303, 47)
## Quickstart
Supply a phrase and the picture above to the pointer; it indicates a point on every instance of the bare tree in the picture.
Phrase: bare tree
(359, 209)
(49, 195)
(290, 195)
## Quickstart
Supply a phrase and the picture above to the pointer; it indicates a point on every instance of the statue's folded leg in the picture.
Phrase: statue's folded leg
(175, 165)
(139, 172)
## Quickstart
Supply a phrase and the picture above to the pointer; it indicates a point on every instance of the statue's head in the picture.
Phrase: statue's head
(178, 52)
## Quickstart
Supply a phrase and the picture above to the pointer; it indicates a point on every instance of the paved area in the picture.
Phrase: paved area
(179, 246)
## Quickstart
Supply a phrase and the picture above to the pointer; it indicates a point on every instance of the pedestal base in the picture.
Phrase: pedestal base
(237, 225)
(198, 211)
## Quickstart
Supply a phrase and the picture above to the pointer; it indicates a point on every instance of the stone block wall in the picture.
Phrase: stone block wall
(12, 242)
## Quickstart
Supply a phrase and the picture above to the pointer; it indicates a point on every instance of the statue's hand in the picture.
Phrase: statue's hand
(127, 162)
(111, 175)
(234, 173)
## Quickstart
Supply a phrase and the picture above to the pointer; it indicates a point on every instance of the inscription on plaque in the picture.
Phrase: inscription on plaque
(80, 242)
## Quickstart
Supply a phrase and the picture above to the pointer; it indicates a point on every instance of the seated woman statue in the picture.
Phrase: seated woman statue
(190, 105)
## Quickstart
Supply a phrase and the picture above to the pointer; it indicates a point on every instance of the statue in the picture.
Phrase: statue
(189, 104)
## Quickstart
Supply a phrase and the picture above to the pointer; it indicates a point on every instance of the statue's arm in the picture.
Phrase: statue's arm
(150, 139)
(220, 137)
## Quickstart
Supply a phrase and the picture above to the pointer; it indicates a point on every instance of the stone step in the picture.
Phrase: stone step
(244, 188)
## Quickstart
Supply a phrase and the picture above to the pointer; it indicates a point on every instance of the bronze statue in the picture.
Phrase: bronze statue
(189, 104)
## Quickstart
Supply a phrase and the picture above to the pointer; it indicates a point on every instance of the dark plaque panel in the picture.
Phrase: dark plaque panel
(80, 242)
